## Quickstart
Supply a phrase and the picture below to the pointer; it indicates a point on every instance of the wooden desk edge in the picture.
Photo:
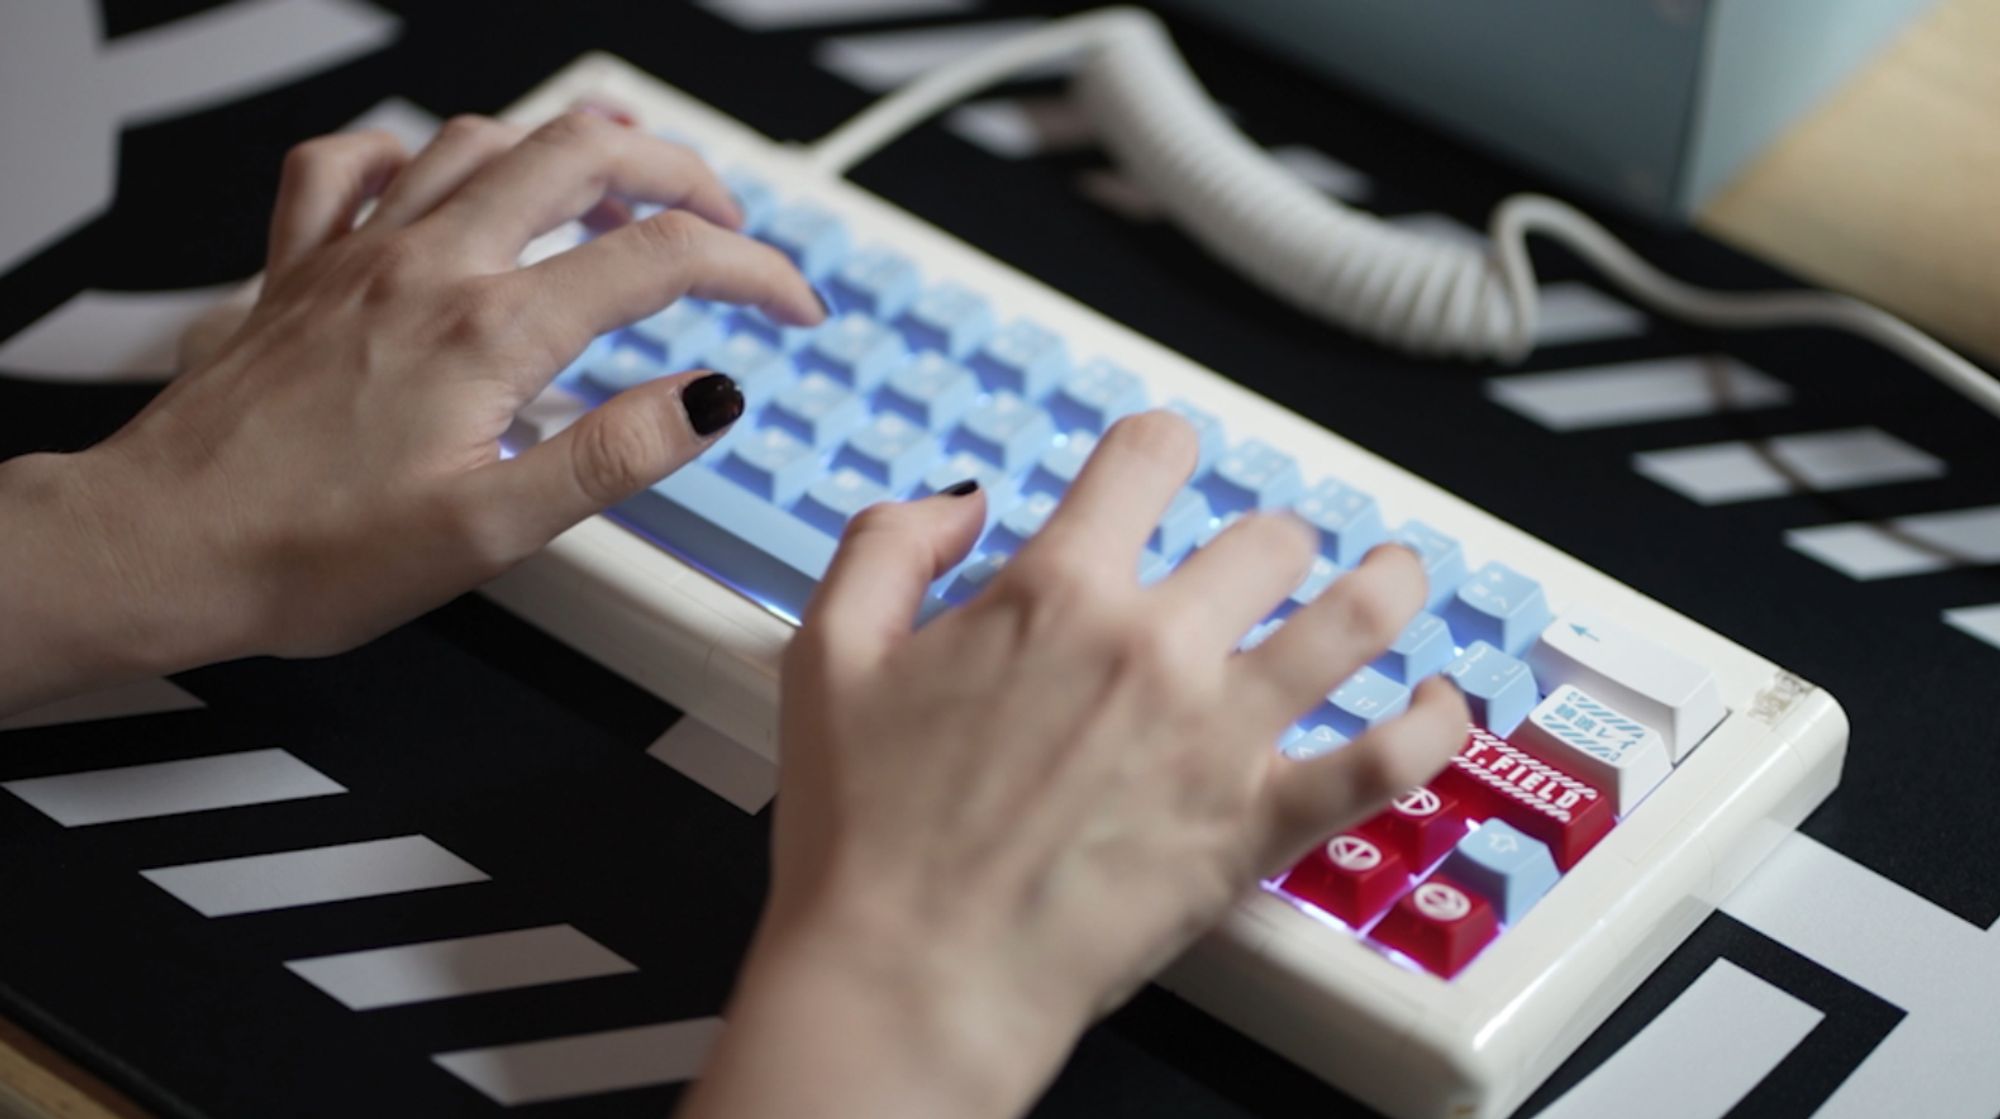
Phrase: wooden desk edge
(36, 1082)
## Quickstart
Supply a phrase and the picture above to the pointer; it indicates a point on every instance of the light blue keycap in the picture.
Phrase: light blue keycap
(933, 390)
(876, 282)
(1207, 429)
(1153, 567)
(1020, 524)
(1444, 560)
(1095, 397)
(1301, 744)
(834, 500)
(617, 368)
(755, 365)
(1499, 689)
(1506, 866)
(891, 449)
(757, 200)
(1365, 699)
(949, 318)
(1501, 607)
(781, 337)
(1216, 527)
(855, 349)
(1253, 475)
(1060, 464)
(1006, 431)
(1187, 517)
(812, 237)
(679, 335)
(771, 463)
(973, 577)
(1024, 358)
(1318, 578)
(1422, 649)
(1348, 520)
(817, 409)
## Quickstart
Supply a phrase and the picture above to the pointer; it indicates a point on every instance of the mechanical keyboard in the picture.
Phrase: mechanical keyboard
(1628, 766)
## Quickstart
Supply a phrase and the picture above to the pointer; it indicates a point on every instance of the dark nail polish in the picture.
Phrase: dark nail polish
(961, 489)
(712, 402)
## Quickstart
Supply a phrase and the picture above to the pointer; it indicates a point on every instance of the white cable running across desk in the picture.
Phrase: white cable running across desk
(1330, 260)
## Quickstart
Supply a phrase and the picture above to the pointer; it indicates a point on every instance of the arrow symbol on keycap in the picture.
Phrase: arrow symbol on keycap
(1504, 843)
(1582, 631)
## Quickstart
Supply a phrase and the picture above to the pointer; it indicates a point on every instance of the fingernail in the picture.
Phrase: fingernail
(713, 402)
(825, 304)
(961, 489)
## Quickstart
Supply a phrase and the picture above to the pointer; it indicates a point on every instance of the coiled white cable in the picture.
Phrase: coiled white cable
(1342, 265)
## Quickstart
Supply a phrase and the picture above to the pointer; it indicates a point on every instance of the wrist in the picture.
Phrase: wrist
(88, 594)
(887, 1028)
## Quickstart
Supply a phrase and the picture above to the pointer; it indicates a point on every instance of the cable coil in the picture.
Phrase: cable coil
(1344, 266)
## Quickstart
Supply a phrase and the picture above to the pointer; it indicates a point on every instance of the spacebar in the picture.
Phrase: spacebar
(727, 531)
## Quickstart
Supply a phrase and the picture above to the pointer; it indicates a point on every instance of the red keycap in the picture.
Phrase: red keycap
(1421, 825)
(1350, 876)
(1440, 924)
(1492, 777)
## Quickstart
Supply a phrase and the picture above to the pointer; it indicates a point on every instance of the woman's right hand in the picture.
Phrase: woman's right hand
(992, 830)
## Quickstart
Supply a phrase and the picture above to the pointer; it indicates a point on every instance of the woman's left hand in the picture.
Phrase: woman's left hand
(336, 468)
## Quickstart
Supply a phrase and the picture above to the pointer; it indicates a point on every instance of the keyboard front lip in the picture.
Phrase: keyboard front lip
(1519, 979)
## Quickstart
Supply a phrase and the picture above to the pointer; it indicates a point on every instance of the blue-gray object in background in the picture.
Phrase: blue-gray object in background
(1651, 104)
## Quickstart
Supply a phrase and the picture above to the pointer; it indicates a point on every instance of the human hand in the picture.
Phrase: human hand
(335, 467)
(992, 830)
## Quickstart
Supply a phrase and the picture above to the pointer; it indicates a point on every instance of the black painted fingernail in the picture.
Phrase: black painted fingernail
(712, 402)
(961, 489)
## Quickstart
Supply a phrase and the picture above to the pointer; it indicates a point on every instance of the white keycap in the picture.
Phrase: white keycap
(1573, 731)
(1656, 686)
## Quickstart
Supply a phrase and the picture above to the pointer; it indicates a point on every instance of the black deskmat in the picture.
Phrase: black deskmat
(530, 764)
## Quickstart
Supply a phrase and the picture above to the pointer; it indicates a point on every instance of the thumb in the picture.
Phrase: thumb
(618, 448)
(887, 560)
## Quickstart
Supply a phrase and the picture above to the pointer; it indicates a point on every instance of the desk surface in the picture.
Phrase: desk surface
(1891, 190)
(1887, 192)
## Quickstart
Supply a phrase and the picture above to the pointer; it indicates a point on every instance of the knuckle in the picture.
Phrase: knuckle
(1157, 436)
(1372, 612)
(581, 129)
(468, 128)
(482, 317)
(673, 233)
(309, 158)
(616, 454)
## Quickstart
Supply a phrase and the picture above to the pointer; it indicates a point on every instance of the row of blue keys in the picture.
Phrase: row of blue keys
(910, 388)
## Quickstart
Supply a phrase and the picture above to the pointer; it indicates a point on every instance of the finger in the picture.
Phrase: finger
(563, 169)
(323, 186)
(1123, 490)
(1330, 638)
(617, 449)
(1234, 581)
(460, 148)
(634, 271)
(1312, 799)
(890, 554)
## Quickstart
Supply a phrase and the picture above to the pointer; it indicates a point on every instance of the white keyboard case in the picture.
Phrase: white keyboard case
(1405, 1042)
